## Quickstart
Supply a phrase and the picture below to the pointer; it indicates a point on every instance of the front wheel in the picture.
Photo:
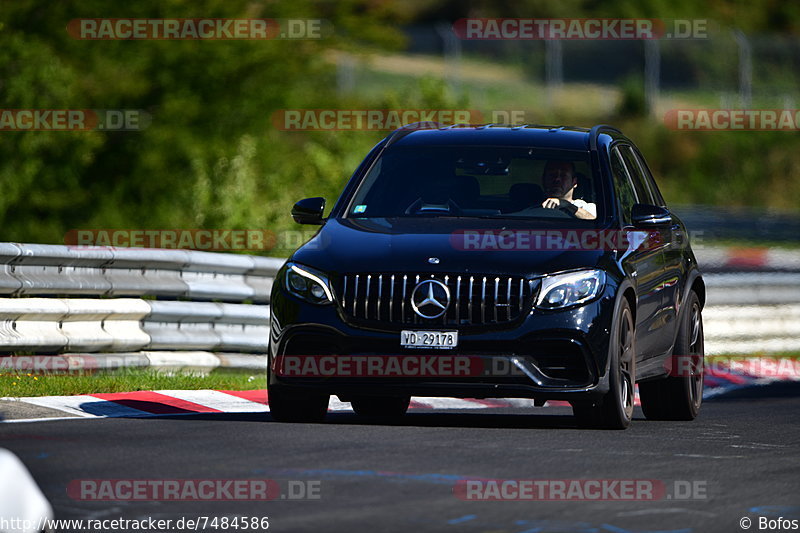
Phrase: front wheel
(678, 397)
(615, 409)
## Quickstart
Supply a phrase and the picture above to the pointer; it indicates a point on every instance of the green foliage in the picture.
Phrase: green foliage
(720, 168)
(632, 103)
(212, 157)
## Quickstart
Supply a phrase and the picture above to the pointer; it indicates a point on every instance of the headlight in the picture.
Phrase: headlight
(308, 284)
(572, 288)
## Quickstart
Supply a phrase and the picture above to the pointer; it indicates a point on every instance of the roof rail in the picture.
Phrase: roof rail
(549, 127)
(404, 130)
(596, 131)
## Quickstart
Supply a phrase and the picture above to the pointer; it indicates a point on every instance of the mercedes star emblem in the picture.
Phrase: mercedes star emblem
(430, 298)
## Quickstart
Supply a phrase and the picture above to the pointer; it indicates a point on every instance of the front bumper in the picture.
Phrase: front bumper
(546, 355)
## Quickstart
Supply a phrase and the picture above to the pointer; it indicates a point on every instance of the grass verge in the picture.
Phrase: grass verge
(777, 355)
(126, 380)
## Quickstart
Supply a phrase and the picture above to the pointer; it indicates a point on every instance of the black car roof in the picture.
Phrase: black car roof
(556, 137)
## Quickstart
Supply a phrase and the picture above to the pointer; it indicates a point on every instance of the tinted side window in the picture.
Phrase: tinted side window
(648, 177)
(635, 172)
(626, 196)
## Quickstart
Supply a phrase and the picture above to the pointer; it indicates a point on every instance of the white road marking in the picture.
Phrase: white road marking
(49, 419)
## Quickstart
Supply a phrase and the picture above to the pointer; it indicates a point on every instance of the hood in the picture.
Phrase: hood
(481, 246)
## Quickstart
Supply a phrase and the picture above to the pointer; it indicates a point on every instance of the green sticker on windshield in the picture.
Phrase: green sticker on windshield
(359, 208)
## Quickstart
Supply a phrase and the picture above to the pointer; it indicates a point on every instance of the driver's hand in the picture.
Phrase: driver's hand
(555, 203)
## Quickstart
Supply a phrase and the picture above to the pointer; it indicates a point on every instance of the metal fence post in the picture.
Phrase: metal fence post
(452, 56)
(345, 73)
(554, 67)
(652, 73)
(745, 69)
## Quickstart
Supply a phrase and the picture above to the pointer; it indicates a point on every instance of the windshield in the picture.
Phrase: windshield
(479, 182)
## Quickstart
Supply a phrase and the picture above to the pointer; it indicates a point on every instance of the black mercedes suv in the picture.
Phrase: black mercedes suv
(492, 262)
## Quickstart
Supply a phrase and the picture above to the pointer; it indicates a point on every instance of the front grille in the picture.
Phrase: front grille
(475, 300)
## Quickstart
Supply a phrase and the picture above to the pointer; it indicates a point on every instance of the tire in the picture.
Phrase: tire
(615, 409)
(679, 397)
(381, 406)
(287, 405)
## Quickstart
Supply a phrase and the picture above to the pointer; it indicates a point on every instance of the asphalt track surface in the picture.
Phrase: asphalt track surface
(741, 454)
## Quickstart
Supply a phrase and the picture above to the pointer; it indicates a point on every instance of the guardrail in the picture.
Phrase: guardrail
(61, 300)
(752, 312)
(753, 299)
(43, 269)
(736, 259)
(755, 224)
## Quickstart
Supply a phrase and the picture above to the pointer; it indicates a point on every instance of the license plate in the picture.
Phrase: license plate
(429, 339)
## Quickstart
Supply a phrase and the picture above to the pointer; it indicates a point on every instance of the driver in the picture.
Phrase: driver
(559, 182)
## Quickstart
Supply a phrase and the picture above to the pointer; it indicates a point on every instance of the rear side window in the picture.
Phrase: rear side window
(626, 196)
(648, 178)
(643, 192)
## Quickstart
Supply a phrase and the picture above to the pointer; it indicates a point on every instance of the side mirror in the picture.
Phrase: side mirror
(309, 211)
(650, 215)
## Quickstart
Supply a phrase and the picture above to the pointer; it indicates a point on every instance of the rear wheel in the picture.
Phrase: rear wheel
(615, 409)
(679, 396)
(380, 406)
(287, 405)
